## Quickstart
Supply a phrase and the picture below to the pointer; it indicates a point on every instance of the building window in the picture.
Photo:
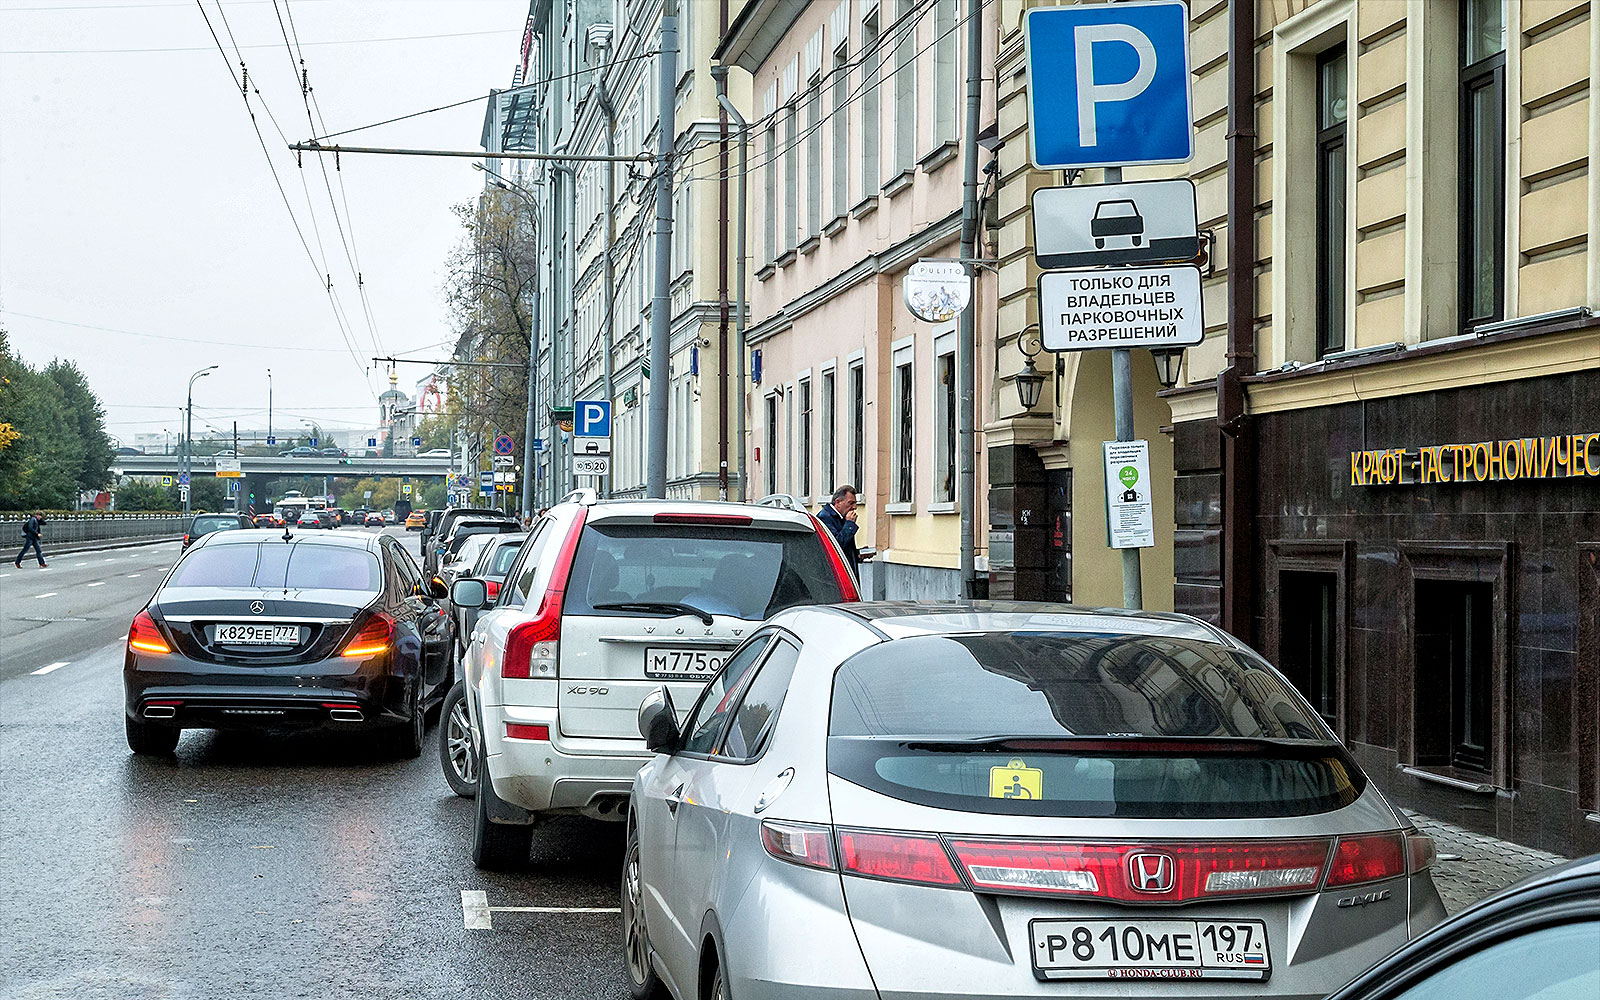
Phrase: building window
(771, 221)
(829, 433)
(871, 116)
(1332, 114)
(841, 128)
(791, 176)
(858, 426)
(944, 394)
(1454, 688)
(905, 89)
(814, 158)
(946, 86)
(1483, 161)
(771, 470)
(805, 439)
(904, 410)
(1308, 639)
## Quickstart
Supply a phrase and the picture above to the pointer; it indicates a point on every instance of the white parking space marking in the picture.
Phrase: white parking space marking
(478, 915)
(51, 668)
(40, 597)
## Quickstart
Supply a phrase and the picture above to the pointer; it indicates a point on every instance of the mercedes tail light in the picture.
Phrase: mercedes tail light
(897, 857)
(145, 637)
(807, 844)
(1369, 858)
(375, 637)
(841, 572)
(532, 646)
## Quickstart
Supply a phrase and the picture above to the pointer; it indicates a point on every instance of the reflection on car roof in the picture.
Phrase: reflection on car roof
(360, 540)
(922, 617)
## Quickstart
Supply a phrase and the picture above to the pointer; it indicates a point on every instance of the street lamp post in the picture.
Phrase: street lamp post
(269, 405)
(185, 480)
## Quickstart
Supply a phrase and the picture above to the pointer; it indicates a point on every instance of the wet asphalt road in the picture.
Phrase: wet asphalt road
(250, 865)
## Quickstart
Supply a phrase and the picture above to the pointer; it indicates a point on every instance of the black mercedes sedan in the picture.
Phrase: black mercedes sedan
(290, 631)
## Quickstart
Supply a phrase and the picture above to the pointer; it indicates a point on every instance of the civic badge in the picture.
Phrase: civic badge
(256, 607)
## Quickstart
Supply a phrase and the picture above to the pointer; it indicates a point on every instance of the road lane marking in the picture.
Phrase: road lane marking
(134, 576)
(52, 667)
(475, 910)
(76, 565)
(40, 597)
(97, 583)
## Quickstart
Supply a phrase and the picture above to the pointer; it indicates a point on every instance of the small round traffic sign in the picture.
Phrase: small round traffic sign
(503, 445)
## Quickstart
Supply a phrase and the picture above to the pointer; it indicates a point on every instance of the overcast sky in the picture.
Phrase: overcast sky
(135, 198)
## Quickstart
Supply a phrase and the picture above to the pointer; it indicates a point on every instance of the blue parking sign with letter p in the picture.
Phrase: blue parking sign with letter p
(591, 418)
(1109, 85)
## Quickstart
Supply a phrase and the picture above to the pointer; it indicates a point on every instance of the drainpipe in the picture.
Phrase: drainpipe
(722, 276)
(720, 74)
(966, 338)
(560, 458)
(1238, 432)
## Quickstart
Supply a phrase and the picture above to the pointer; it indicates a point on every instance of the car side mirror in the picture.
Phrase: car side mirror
(658, 722)
(469, 593)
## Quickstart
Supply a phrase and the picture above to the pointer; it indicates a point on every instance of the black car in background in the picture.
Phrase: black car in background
(205, 524)
(250, 631)
(437, 536)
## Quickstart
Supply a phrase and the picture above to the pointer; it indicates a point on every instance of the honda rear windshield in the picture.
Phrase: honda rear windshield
(746, 572)
(278, 565)
(1058, 724)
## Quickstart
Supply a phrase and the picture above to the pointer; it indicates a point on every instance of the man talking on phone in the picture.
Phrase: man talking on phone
(840, 517)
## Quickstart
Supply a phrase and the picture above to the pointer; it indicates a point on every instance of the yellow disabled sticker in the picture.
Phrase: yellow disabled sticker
(1016, 781)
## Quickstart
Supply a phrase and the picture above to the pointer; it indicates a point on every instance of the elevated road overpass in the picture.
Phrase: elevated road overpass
(271, 468)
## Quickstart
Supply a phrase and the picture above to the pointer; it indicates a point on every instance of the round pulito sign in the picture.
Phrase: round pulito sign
(937, 290)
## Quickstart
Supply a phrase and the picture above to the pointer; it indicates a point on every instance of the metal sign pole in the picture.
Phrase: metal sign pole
(1122, 404)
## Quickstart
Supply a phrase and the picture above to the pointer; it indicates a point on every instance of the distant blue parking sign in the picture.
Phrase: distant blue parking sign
(1109, 85)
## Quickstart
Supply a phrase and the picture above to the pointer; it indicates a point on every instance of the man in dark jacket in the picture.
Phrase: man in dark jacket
(30, 539)
(840, 517)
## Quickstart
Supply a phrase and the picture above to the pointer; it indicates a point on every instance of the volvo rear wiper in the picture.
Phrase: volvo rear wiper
(672, 607)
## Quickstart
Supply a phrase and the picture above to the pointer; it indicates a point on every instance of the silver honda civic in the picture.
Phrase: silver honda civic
(982, 800)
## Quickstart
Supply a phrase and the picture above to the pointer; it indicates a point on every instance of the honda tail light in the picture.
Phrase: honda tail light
(897, 857)
(1420, 853)
(806, 844)
(1368, 859)
(145, 637)
(532, 646)
(375, 637)
(847, 582)
(1144, 873)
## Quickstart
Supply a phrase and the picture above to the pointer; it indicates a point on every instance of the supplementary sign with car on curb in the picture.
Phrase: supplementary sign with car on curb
(1141, 222)
(1120, 308)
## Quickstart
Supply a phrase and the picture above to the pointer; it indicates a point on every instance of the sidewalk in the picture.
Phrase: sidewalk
(1474, 865)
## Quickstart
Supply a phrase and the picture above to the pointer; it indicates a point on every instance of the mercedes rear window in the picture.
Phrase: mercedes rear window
(746, 572)
(278, 565)
(1082, 724)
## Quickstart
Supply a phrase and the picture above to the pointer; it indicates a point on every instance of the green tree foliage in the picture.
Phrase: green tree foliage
(53, 441)
(434, 430)
(145, 495)
(434, 496)
(384, 493)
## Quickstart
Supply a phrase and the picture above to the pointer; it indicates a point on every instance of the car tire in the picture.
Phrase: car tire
(496, 847)
(406, 740)
(718, 989)
(458, 744)
(643, 983)
(150, 740)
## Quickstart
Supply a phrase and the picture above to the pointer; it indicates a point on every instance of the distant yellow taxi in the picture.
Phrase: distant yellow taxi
(416, 520)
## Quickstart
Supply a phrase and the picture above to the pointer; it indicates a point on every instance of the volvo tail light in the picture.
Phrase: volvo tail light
(145, 637)
(375, 637)
(1367, 859)
(897, 857)
(532, 646)
(841, 572)
(491, 588)
(523, 731)
(726, 520)
(807, 844)
(1144, 873)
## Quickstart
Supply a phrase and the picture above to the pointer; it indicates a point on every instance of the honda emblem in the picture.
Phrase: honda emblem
(1150, 872)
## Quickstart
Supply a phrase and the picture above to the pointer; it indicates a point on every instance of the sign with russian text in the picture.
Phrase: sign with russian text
(1142, 222)
(1125, 307)
(228, 468)
(1130, 513)
(1564, 456)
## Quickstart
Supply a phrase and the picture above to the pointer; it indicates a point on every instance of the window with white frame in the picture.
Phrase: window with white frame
(901, 486)
(857, 415)
(839, 84)
(791, 176)
(814, 158)
(771, 170)
(804, 457)
(944, 418)
(905, 88)
(770, 456)
(871, 113)
(946, 83)
(827, 431)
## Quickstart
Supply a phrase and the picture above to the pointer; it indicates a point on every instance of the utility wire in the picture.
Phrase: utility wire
(273, 45)
(181, 340)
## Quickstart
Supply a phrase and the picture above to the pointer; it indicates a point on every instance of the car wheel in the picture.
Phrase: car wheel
(458, 745)
(496, 847)
(643, 983)
(150, 740)
(718, 989)
(405, 740)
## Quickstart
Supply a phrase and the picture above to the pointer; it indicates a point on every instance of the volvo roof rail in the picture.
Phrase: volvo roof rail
(783, 500)
(584, 495)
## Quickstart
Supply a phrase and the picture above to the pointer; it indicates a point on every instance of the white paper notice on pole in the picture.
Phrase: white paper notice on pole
(1130, 518)
(1120, 307)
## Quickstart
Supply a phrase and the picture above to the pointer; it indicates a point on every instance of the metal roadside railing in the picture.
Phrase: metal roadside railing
(86, 526)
